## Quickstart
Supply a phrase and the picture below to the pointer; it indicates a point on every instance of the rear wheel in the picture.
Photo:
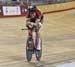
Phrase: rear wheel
(38, 52)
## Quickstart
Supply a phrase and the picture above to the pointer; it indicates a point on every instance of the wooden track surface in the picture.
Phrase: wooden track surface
(56, 7)
(58, 34)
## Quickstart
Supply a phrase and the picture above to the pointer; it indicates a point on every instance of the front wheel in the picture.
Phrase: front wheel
(29, 55)
(29, 49)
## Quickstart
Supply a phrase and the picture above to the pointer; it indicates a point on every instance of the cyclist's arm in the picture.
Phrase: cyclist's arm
(38, 22)
(40, 14)
(27, 21)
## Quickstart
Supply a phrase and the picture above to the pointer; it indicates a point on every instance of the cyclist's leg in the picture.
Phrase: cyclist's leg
(30, 33)
(37, 33)
(38, 27)
(37, 40)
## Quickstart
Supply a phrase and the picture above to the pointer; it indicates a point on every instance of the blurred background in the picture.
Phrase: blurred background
(31, 2)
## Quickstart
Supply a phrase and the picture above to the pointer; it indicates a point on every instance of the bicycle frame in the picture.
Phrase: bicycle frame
(32, 44)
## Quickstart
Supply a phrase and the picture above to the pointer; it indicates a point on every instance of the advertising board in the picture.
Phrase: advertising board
(11, 10)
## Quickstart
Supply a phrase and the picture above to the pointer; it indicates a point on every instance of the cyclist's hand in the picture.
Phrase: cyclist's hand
(36, 24)
(30, 26)
(28, 23)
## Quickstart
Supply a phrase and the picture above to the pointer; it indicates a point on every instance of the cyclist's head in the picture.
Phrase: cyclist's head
(32, 10)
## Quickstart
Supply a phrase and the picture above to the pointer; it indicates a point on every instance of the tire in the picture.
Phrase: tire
(38, 53)
(29, 55)
(29, 49)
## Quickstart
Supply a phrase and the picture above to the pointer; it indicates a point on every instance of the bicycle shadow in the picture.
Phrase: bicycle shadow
(36, 63)
(32, 63)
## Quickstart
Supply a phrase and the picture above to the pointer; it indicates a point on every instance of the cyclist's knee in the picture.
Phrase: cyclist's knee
(37, 34)
(30, 33)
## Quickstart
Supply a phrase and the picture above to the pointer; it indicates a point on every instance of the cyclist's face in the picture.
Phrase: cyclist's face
(33, 14)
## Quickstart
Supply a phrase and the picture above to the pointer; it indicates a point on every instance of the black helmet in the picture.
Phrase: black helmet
(32, 8)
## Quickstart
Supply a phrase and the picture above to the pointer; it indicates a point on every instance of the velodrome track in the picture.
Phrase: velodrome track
(58, 34)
